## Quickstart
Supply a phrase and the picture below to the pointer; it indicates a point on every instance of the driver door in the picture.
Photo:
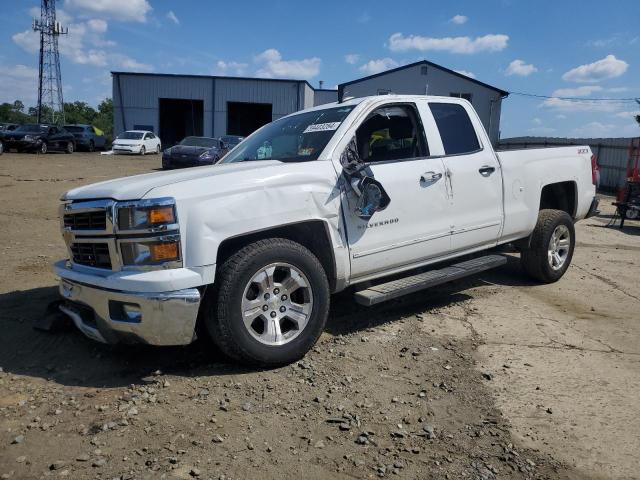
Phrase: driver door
(414, 226)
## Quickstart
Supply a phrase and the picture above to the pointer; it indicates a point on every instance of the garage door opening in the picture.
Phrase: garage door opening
(180, 118)
(245, 118)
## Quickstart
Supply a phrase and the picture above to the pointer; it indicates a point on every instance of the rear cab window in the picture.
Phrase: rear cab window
(456, 130)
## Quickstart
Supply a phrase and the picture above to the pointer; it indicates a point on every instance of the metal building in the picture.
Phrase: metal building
(175, 106)
(427, 78)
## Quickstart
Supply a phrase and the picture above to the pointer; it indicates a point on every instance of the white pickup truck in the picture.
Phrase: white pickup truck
(387, 195)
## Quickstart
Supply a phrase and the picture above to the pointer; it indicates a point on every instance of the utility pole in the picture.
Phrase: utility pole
(50, 102)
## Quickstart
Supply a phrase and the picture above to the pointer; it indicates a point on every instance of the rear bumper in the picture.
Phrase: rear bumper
(110, 316)
(593, 209)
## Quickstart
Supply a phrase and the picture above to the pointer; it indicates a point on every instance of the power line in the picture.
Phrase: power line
(576, 99)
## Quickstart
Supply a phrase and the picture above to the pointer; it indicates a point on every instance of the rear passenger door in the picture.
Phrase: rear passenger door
(473, 176)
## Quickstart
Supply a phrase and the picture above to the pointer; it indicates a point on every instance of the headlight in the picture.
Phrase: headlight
(153, 215)
(156, 251)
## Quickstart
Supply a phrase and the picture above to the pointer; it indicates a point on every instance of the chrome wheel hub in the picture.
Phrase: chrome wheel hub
(559, 247)
(277, 304)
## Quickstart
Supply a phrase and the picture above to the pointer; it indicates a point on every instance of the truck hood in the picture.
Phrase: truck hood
(137, 186)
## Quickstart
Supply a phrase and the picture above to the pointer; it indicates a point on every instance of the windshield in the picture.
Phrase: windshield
(199, 142)
(130, 136)
(73, 128)
(298, 138)
(32, 128)
(232, 139)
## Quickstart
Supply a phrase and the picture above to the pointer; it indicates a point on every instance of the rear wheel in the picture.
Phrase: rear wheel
(551, 246)
(92, 146)
(1, 147)
(69, 148)
(270, 303)
(143, 150)
(43, 148)
(158, 149)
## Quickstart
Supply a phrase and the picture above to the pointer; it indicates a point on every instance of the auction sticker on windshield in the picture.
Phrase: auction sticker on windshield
(322, 127)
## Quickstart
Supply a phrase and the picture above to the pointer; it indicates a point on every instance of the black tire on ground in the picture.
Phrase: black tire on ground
(70, 148)
(92, 146)
(158, 149)
(143, 150)
(1, 147)
(535, 259)
(43, 148)
(222, 312)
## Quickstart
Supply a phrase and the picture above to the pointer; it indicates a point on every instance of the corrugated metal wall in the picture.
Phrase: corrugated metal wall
(612, 153)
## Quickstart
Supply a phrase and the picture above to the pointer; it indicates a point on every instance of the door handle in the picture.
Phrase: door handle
(430, 177)
(486, 170)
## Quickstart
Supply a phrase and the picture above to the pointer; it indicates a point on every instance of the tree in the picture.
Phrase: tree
(79, 112)
(104, 118)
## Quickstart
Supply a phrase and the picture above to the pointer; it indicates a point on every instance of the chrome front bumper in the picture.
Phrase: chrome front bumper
(110, 316)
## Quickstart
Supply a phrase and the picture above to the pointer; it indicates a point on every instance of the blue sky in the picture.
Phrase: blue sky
(584, 49)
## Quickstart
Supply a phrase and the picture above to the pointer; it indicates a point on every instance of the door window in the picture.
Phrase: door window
(455, 127)
(392, 133)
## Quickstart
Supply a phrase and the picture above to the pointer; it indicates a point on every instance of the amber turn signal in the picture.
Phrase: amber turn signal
(161, 252)
(161, 215)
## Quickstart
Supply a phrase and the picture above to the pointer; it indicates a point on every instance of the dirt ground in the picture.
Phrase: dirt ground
(492, 377)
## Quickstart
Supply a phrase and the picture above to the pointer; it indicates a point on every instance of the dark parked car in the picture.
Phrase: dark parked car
(87, 137)
(7, 127)
(39, 138)
(231, 141)
(193, 152)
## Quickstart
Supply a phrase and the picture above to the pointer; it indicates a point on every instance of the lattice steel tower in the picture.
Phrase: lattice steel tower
(50, 103)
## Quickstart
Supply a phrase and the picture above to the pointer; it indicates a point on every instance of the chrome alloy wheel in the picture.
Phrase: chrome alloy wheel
(559, 247)
(277, 304)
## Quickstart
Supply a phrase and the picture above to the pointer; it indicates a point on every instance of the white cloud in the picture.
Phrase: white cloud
(536, 121)
(364, 17)
(466, 73)
(230, 68)
(172, 16)
(272, 65)
(541, 130)
(127, 63)
(595, 130)
(561, 116)
(97, 25)
(352, 58)
(377, 66)
(124, 10)
(19, 82)
(465, 45)
(583, 91)
(521, 69)
(568, 106)
(606, 68)
(628, 114)
(618, 89)
(459, 19)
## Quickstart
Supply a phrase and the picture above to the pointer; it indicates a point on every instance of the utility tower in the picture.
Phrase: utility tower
(50, 103)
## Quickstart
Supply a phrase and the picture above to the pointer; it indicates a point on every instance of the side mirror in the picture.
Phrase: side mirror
(350, 158)
(373, 197)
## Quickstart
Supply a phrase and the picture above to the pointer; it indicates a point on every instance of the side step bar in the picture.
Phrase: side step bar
(403, 286)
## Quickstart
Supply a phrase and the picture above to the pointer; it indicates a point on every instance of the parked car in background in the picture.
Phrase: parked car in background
(136, 141)
(87, 137)
(7, 127)
(231, 141)
(193, 152)
(40, 138)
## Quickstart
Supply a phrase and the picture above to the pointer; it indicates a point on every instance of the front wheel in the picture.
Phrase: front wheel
(158, 149)
(1, 147)
(92, 146)
(43, 148)
(270, 303)
(70, 148)
(143, 150)
(551, 246)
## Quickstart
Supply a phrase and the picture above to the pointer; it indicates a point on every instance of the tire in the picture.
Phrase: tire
(537, 259)
(70, 148)
(158, 149)
(1, 147)
(43, 148)
(143, 151)
(632, 214)
(223, 304)
(92, 146)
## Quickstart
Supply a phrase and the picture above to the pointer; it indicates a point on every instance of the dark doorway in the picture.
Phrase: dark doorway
(180, 118)
(245, 118)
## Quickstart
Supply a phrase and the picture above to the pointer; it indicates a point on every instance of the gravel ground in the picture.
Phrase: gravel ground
(492, 377)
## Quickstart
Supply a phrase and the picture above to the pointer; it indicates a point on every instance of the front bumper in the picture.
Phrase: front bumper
(112, 316)
(21, 144)
(184, 162)
(126, 148)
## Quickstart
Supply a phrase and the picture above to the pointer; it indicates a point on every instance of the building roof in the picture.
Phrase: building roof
(222, 77)
(504, 93)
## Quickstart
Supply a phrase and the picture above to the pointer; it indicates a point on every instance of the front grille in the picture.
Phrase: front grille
(86, 220)
(91, 254)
